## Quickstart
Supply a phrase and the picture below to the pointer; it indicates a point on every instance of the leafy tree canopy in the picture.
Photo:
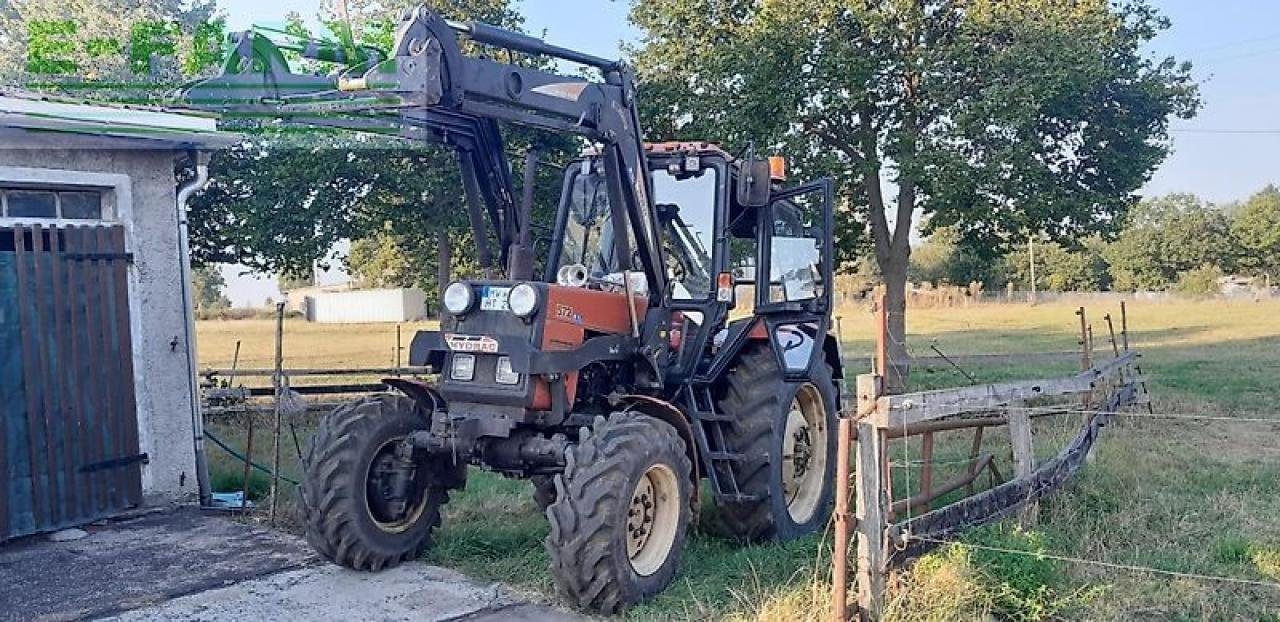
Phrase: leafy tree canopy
(207, 287)
(1256, 227)
(1167, 236)
(1001, 118)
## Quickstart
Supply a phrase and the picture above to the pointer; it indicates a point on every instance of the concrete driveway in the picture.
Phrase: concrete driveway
(184, 565)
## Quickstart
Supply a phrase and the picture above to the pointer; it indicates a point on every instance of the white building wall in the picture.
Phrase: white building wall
(145, 197)
(368, 306)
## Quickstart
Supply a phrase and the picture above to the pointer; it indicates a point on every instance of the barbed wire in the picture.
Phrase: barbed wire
(1138, 415)
(1094, 562)
(908, 464)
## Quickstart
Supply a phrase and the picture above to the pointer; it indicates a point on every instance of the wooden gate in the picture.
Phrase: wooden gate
(69, 450)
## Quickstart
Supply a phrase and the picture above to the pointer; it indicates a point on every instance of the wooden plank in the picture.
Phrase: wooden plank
(124, 337)
(44, 320)
(6, 488)
(1024, 457)
(40, 509)
(106, 369)
(62, 385)
(899, 410)
(974, 451)
(870, 512)
(80, 279)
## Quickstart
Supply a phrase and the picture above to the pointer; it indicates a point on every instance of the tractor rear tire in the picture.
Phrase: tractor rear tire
(346, 519)
(621, 513)
(786, 431)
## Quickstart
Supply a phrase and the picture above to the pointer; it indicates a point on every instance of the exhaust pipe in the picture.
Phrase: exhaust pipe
(573, 275)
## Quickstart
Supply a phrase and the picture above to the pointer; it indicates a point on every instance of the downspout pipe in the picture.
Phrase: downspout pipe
(185, 193)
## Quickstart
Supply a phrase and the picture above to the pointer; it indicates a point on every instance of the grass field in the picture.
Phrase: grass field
(1189, 496)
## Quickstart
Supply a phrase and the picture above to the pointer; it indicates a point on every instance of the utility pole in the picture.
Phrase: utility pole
(1031, 252)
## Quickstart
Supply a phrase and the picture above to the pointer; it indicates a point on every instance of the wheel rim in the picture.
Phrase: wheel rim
(652, 519)
(381, 509)
(804, 453)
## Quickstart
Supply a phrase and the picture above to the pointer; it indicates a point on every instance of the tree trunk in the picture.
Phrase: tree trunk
(898, 367)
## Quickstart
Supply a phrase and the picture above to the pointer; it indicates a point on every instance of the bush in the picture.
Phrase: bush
(244, 314)
(1202, 281)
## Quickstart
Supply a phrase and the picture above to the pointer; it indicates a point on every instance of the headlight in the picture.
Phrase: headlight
(458, 298)
(464, 367)
(523, 300)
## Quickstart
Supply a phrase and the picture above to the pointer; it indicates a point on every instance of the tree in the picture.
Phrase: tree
(1004, 118)
(946, 258)
(280, 201)
(207, 286)
(107, 49)
(1063, 269)
(1166, 236)
(382, 260)
(1256, 227)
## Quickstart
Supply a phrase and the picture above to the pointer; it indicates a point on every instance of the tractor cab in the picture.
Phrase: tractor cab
(521, 348)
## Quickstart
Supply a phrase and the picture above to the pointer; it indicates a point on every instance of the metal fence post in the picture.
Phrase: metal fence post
(278, 385)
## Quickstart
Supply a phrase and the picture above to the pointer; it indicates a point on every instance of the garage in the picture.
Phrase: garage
(98, 413)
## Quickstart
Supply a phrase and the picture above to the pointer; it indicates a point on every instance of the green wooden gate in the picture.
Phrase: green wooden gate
(69, 450)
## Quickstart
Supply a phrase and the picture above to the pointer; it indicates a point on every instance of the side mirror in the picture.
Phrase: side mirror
(754, 183)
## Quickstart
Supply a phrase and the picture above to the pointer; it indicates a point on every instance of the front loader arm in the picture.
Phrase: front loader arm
(428, 89)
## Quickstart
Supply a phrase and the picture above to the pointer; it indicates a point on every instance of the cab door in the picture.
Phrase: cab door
(797, 251)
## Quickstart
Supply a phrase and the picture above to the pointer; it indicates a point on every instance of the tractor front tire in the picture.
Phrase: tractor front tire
(544, 491)
(347, 516)
(621, 513)
(787, 435)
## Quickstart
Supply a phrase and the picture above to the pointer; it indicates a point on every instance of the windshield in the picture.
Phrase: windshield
(588, 231)
(686, 207)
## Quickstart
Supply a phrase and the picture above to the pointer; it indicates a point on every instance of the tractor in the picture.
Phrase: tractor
(679, 329)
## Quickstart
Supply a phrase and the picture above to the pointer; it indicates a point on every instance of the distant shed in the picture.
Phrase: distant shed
(367, 306)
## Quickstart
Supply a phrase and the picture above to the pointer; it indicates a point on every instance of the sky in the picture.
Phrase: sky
(1225, 154)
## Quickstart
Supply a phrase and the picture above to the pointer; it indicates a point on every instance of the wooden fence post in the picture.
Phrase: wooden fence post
(870, 509)
(1024, 457)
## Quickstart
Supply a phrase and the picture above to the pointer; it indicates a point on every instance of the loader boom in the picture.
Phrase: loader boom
(429, 90)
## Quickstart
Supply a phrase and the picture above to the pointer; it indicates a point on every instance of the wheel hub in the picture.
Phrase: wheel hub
(804, 453)
(640, 517)
(395, 499)
(653, 517)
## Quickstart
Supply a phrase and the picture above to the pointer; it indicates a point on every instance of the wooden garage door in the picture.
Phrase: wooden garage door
(69, 449)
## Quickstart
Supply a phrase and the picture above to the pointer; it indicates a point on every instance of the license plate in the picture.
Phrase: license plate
(495, 299)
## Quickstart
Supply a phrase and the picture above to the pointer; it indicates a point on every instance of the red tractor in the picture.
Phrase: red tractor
(679, 331)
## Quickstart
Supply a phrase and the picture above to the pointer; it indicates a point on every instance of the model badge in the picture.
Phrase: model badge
(564, 312)
(471, 343)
